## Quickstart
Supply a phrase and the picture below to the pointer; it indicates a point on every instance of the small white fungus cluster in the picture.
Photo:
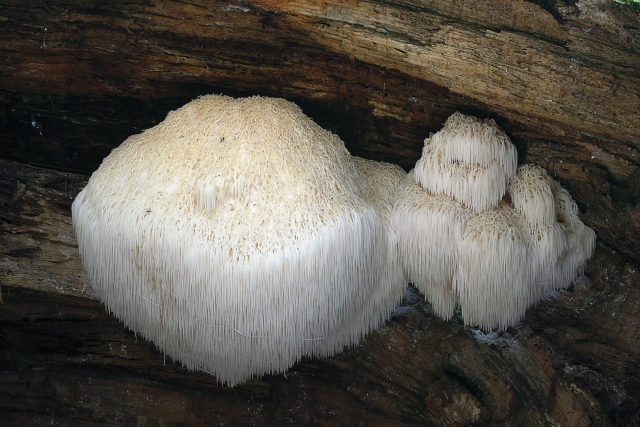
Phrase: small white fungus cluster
(239, 236)
(463, 243)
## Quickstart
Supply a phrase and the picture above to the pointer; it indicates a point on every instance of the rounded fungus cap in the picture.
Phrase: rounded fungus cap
(494, 276)
(470, 160)
(239, 236)
(531, 195)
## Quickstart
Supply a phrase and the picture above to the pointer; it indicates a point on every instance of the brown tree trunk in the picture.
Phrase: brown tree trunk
(562, 78)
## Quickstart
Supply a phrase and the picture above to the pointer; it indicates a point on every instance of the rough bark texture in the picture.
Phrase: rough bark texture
(563, 78)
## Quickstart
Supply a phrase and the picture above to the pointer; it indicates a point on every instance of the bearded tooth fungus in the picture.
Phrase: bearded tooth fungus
(463, 243)
(470, 160)
(239, 236)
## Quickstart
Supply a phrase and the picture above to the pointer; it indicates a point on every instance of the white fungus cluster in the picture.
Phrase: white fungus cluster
(463, 243)
(239, 236)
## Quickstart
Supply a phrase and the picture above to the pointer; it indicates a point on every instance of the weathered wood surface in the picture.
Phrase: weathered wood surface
(64, 360)
(563, 78)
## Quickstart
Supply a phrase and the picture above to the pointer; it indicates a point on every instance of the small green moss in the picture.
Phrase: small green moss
(632, 3)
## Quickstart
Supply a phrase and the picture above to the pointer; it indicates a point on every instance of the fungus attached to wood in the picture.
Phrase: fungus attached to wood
(461, 242)
(239, 236)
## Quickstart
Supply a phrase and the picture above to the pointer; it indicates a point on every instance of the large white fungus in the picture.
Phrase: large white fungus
(462, 242)
(239, 236)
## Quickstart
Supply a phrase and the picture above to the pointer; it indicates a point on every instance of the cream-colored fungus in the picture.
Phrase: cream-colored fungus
(470, 160)
(239, 236)
(461, 242)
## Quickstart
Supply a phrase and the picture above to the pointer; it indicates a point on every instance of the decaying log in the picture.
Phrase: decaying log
(562, 78)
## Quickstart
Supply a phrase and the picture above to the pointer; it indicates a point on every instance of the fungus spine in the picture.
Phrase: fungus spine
(239, 236)
(462, 243)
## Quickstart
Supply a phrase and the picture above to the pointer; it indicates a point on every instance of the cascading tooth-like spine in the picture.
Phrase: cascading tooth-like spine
(462, 243)
(244, 237)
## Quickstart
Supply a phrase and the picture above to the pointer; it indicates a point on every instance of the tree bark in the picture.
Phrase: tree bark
(562, 78)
